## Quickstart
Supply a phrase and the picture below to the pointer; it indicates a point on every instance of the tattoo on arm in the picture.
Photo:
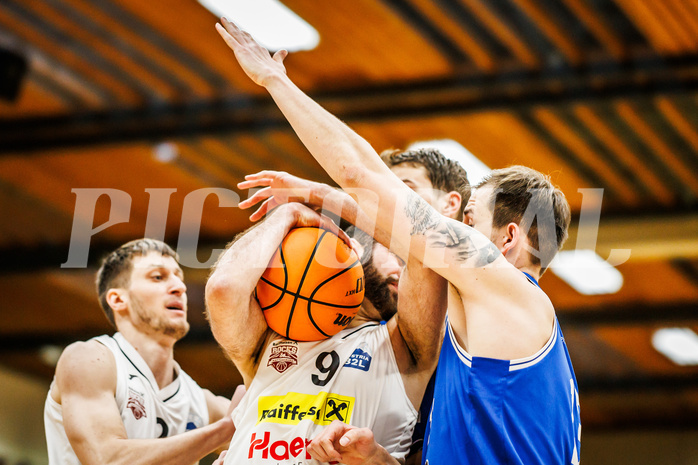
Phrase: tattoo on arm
(420, 213)
(469, 246)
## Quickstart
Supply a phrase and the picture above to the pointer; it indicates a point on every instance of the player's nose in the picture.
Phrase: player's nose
(177, 285)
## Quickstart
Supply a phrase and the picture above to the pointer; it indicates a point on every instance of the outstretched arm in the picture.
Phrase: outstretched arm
(279, 188)
(463, 256)
(446, 246)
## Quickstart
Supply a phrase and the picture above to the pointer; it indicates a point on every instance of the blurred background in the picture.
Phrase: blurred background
(121, 118)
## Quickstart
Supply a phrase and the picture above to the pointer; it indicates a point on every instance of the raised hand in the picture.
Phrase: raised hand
(254, 59)
(303, 216)
(279, 188)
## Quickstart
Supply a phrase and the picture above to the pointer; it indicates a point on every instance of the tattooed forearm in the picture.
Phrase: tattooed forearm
(466, 245)
(423, 217)
(469, 247)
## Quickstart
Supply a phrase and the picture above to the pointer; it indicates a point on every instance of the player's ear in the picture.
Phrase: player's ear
(116, 299)
(451, 204)
(512, 237)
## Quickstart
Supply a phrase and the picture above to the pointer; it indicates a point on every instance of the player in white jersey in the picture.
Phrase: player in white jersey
(123, 399)
(368, 375)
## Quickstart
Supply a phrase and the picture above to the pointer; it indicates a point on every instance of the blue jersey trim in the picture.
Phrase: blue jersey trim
(520, 363)
(532, 279)
(514, 365)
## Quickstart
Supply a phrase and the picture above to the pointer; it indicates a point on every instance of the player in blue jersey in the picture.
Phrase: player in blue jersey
(497, 399)
(505, 389)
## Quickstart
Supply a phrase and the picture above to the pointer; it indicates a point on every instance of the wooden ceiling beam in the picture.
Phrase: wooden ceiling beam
(517, 90)
(650, 238)
(635, 384)
(200, 334)
(617, 315)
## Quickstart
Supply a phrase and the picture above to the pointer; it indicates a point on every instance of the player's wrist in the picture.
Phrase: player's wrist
(318, 194)
(381, 457)
(287, 215)
(273, 80)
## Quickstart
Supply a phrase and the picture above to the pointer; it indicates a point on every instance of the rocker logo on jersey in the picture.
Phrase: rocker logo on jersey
(136, 404)
(291, 409)
(283, 355)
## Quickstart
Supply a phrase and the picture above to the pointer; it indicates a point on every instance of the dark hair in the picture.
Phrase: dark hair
(445, 174)
(366, 241)
(376, 287)
(528, 198)
(116, 267)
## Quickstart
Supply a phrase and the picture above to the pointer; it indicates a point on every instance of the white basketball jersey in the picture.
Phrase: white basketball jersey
(301, 387)
(147, 411)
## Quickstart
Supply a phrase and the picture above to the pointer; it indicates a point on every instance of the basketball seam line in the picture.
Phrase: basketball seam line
(309, 299)
(331, 278)
(283, 264)
(300, 286)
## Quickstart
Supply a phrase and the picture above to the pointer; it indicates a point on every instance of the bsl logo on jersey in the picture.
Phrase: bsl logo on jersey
(360, 359)
(283, 355)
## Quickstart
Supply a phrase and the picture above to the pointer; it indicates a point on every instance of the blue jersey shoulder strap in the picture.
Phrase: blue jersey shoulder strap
(531, 278)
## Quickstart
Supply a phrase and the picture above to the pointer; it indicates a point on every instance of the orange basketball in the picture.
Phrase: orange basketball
(312, 287)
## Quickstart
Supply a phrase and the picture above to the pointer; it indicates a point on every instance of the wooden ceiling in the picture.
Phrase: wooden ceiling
(598, 93)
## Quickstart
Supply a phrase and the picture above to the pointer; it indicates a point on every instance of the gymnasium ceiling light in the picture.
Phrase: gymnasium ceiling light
(165, 152)
(587, 272)
(270, 22)
(680, 345)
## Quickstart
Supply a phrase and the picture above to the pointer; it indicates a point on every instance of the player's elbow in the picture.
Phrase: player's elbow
(352, 175)
(225, 293)
(215, 291)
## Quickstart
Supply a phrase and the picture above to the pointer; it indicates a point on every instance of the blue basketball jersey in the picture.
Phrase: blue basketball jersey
(487, 411)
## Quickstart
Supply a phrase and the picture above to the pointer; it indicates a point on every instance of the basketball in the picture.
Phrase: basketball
(313, 286)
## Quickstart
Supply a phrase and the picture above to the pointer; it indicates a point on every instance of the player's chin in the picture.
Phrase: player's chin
(177, 330)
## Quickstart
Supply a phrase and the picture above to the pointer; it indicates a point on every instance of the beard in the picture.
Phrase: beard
(378, 291)
(158, 323)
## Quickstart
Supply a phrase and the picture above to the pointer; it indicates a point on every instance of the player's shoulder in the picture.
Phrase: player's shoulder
(84, 368)
(508, 282)
(85, 358)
